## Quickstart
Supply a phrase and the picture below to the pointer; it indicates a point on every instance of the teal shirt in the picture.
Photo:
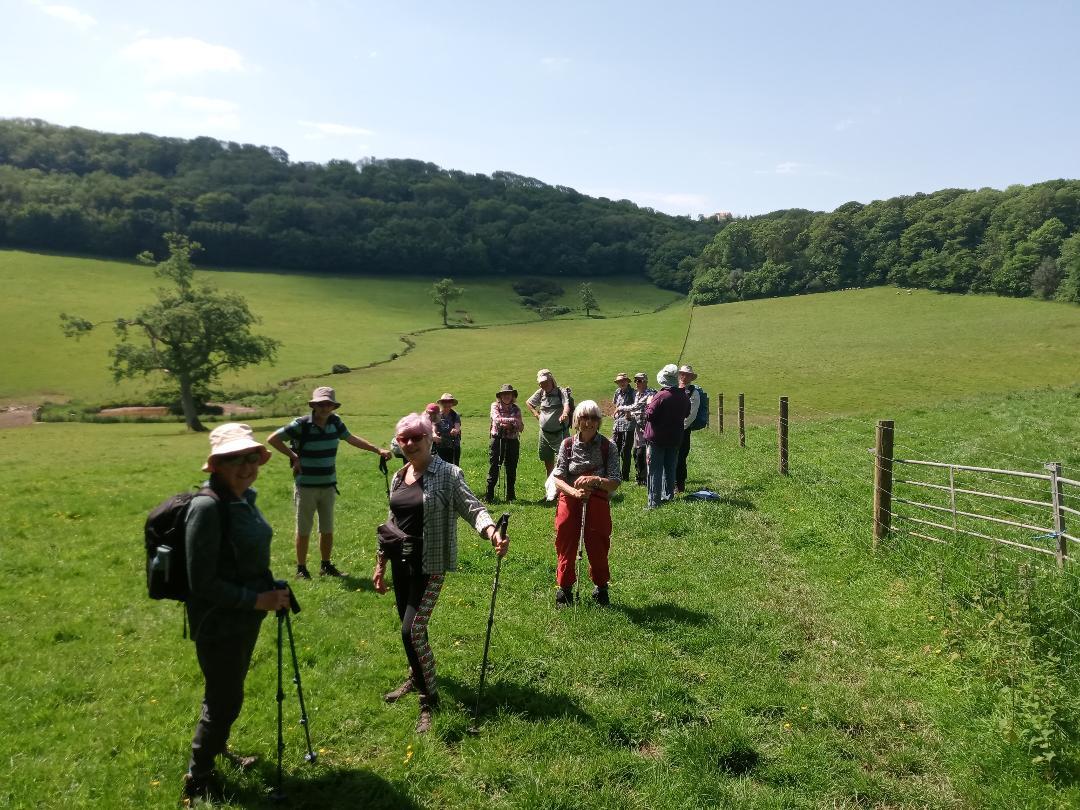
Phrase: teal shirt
(226, 575)
(318, 453)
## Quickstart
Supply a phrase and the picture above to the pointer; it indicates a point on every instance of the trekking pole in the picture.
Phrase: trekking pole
(581, 549)
(386, 475)
(310, 756)
(283, 620)
(500, 529)
(279, 794)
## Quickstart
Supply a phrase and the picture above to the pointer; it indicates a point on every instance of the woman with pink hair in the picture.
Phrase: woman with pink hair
(419, 539)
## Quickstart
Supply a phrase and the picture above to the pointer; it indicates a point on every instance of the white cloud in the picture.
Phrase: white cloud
(69, 14)
(555, 64)
(674, 202)
(177, 57)
(324, 130)
(37, 104)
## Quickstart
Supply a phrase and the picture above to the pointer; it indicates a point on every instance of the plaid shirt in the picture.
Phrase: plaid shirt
(637, 414)
(445, 488)
(506, 420)
(623, 400)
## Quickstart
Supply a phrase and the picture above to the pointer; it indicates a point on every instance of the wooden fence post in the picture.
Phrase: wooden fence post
(781, 436)
(720, 413)
(742, 420)
(1059, 516)
(883, 478)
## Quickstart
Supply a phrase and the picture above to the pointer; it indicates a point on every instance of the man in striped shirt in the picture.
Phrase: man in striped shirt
(312, 452)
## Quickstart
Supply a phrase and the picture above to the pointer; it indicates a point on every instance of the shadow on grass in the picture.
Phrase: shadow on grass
(339, 787)
(663, 614)
(524, 701)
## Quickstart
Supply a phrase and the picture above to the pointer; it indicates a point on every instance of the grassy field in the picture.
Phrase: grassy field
(757, 653)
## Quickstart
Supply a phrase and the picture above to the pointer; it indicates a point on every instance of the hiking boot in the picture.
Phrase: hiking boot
(428, 705)
(408, 685)
(489, 496)
(564, 597)
(206, 788)
(327, 569)
(302, 572)
(509, 494)
(600, 595)
(241, 761)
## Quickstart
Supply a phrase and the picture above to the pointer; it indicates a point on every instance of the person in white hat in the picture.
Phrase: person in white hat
(227, 548)
(664, 417)
(687, 375)
(552, 406)
(312, 453)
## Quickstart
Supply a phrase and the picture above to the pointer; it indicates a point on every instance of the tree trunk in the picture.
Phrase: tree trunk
(187, 402)
(444, 322)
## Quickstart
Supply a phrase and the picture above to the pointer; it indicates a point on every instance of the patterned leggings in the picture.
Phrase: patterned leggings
(416, 593)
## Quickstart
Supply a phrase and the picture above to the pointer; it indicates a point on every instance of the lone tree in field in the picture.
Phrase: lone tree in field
(443, 292)
(191, 334)
(588, 299)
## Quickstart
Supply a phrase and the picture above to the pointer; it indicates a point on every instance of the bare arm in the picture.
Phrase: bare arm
(278, 443)
(364, 444)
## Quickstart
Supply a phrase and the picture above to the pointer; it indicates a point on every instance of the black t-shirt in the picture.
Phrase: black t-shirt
(407, 506)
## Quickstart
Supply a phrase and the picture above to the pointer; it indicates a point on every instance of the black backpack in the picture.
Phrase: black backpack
(305, 430)
(166, 544)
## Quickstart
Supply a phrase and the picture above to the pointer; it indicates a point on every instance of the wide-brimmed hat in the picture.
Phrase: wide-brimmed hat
(448, 397)
(506, 389)
(641, 375)
(668, 376)
(233, 438)
(689, 370)
(544, 374)
(324, 393)
(621, 376)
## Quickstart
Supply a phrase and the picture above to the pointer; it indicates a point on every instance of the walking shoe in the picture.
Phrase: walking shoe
(406, 686)
(564, 597)
(302, 572)
(206, 788)
(489, 496)
(600, 595)
(428, 704)
(241, 761)
(327, 569)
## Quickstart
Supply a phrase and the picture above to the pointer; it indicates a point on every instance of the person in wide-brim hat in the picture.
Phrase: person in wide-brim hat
(234, 439)
(447, 424)
(324, 393)
(448, 398)
(688, 372)
(622, 432)
(505, 447)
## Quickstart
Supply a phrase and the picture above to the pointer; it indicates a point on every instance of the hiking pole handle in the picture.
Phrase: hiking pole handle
(294, 606)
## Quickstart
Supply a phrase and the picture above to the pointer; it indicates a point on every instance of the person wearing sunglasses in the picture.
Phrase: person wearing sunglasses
(427, 496)
(231, 591)
(586, 471)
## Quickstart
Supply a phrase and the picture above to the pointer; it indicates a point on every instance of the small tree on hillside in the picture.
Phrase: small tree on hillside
(443, 292)
(191, 334)
(588, 298)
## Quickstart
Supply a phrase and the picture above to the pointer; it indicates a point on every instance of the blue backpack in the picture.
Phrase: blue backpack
(701, 420)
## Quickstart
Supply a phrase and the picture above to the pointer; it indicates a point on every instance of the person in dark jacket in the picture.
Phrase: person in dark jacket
(622, 433)
(231, 591)
(664, 417)
(448, 428)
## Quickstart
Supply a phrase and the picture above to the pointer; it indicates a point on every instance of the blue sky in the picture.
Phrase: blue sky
(685, 107)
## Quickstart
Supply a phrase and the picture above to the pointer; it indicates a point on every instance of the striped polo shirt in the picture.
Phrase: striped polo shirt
(318, 451)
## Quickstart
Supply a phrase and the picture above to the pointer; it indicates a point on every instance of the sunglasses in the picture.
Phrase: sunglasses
(237, 460)
(405, 438)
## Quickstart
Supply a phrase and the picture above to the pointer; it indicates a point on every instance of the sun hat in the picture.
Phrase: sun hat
(324, 393)
(688, 369)
(448, 397)
(641, 375)
(668, 376)
(621, 376)
(544, 374)
(506, 389)
(233, 438)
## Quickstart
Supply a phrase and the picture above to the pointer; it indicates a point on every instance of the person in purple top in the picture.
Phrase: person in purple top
(664, 418)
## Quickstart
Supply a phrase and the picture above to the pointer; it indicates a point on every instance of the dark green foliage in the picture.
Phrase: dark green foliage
(77, 190)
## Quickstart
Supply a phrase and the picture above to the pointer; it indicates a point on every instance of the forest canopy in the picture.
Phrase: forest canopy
(76, 190)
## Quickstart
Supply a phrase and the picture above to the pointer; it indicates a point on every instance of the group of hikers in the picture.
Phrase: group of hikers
(228, 541)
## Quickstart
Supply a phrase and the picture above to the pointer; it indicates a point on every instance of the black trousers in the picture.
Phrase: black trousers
(680, 464)
(506, 450)
(415, 594)
(624, 442)
(641, 464)
(224, 664)
(449, 452)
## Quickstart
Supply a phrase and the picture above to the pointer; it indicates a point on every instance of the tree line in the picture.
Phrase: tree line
(1023, 241)
(77, 190)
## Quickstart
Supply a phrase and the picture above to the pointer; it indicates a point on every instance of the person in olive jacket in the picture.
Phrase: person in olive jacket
(231, 591)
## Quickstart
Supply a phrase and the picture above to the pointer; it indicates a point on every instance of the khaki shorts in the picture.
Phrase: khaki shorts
(548, 444)
(308, 501)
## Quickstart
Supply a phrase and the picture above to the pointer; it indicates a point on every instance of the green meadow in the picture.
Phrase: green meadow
(757, 653)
